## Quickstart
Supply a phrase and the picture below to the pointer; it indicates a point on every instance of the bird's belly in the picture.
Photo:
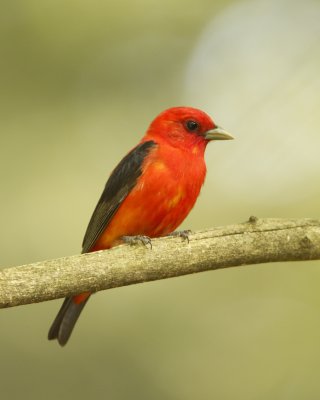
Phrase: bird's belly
(162, 198)
(156, 214)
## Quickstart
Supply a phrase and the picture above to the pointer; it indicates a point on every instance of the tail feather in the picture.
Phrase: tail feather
(54, 329)
(66, 319)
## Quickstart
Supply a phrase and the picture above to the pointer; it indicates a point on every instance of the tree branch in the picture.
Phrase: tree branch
(253, 242)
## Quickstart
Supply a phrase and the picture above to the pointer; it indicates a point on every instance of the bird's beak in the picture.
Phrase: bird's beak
(218, 134)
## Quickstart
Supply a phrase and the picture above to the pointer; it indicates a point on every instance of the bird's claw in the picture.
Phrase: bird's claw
(138, 239)
(183, 234)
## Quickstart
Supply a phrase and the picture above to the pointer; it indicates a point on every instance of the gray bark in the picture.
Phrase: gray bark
(253, 242)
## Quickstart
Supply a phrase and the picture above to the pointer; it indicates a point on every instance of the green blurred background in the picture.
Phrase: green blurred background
(80, 82)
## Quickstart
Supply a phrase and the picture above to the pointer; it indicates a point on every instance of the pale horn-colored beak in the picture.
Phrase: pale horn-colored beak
(218, 134)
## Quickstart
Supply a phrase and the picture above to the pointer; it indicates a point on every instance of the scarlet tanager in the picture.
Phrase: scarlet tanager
(148, 194)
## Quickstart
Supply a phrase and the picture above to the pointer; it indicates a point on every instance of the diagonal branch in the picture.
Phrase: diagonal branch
(253, 242)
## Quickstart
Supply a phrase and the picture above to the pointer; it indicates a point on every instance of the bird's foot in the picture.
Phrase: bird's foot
(138, 239)
(183, 234)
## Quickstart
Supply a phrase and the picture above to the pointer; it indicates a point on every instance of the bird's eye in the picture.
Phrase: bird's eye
(192, 125)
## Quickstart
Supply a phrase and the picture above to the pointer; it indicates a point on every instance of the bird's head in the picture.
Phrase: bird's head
(185, 127)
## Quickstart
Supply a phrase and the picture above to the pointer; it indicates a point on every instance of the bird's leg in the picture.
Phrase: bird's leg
(183, 234)
(138, 239)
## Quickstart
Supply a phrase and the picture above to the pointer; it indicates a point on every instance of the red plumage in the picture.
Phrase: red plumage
(149, 193)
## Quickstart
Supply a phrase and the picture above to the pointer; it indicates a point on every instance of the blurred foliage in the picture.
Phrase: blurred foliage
(80, 82)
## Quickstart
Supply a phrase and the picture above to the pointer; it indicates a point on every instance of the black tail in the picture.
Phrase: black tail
(65, 320)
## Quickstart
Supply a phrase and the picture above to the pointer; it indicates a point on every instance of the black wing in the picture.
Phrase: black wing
(118, 186)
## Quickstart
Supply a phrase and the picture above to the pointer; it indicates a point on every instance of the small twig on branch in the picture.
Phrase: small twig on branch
(253, 242)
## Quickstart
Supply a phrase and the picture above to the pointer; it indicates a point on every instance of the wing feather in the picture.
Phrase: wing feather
(120, 183)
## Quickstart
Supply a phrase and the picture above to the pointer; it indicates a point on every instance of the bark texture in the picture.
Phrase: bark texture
(253, 242)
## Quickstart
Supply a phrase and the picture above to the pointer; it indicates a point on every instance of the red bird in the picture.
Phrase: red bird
(148, 194)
